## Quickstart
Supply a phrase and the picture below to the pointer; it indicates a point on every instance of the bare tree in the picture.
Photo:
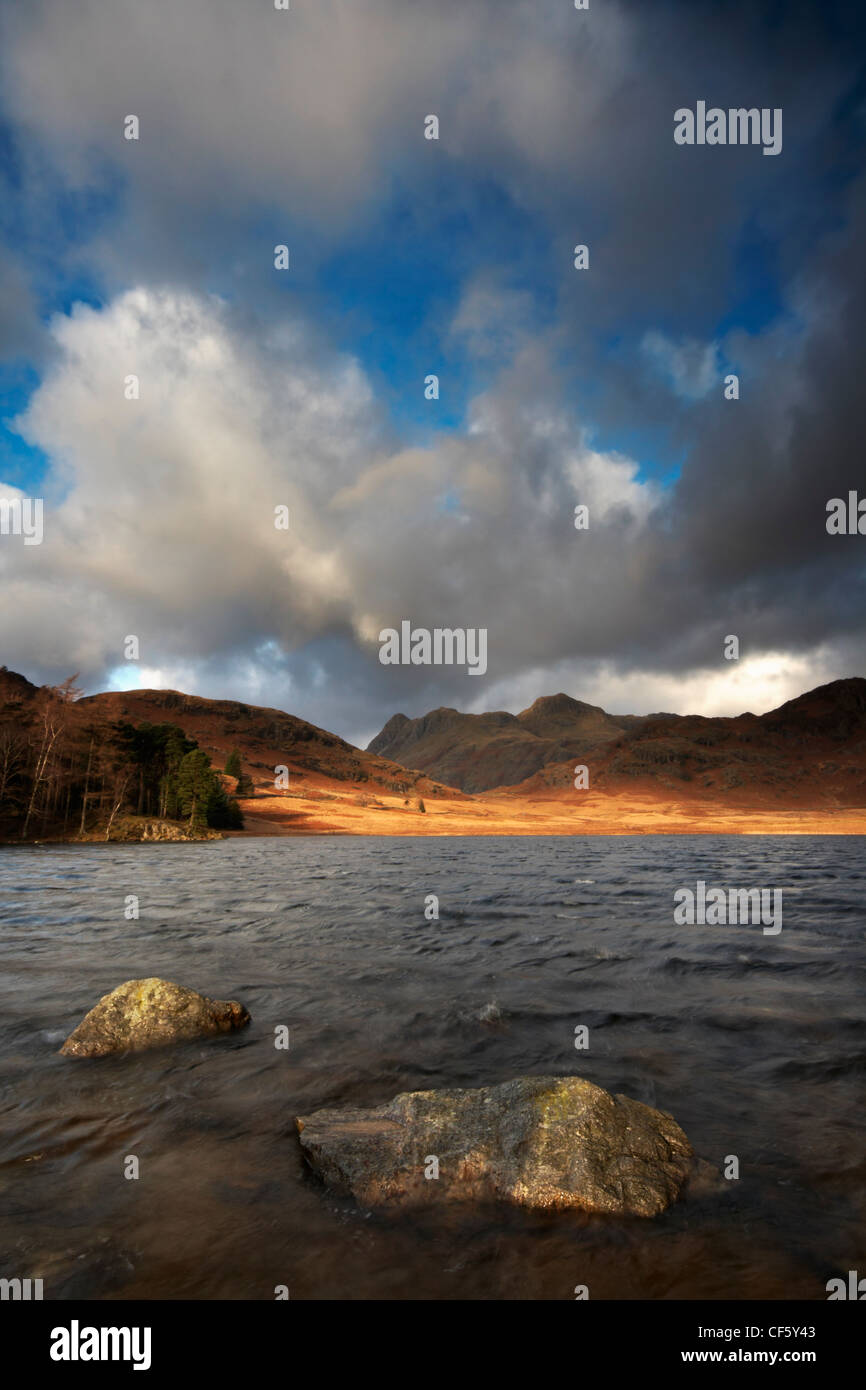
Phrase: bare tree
(68, 692)
(85, 796)
(119, 798)
(51, 729)
(13, 761)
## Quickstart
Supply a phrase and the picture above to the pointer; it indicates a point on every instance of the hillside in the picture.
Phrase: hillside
(811, 751)
(266, 738)
(66, 764)
(71, 766)
(476, 752)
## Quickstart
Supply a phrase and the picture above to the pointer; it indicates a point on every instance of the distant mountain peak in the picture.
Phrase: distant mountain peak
(560, 704)
(476, 752)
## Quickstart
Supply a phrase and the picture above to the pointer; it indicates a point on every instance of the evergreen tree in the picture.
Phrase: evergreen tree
(177, 745)
(233, 764)
(245, 786)
(201, 797)
(223, 812)
(195, 787)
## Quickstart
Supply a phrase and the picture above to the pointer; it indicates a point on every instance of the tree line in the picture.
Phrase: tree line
(63, 774)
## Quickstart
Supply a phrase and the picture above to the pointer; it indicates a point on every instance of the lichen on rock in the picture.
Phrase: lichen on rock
(149, 1013)
(543, 1142)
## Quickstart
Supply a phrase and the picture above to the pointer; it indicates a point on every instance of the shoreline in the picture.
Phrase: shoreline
(501, 814)
(494, 816)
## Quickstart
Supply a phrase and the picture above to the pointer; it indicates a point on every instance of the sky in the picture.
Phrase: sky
(304, 387)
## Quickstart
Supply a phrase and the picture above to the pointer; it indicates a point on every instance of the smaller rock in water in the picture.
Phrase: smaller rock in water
(539, 1141)
(151, 1013)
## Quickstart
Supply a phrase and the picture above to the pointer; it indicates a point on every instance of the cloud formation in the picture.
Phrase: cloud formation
(306, 126)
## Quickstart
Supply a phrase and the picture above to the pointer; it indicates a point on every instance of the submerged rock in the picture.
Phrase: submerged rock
(151, 1013)
(490, 1013)
(539, 1141)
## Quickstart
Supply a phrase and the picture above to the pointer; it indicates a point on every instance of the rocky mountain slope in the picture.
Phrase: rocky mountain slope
(478, 751)
(809, 751)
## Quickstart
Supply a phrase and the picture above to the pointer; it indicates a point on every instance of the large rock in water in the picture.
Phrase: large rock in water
(539, 1141)
(151, 1013)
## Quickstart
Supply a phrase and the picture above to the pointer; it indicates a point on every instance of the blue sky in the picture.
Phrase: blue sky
(389, 299)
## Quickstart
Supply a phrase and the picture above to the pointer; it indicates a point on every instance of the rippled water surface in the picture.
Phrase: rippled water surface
(755, 1043)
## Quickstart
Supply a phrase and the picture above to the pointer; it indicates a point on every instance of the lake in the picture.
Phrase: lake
(755, 1043)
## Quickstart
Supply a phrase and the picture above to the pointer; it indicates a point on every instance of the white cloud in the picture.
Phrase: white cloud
(159, 511)
(692, 368)
(493, 321)
(162, 517)
(159, 523)
(754, 684)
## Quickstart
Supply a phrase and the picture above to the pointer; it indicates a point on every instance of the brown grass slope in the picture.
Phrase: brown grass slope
(797, 769)
(321, 766)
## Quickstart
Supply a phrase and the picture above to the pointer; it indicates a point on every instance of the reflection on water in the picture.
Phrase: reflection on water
(756, 1045)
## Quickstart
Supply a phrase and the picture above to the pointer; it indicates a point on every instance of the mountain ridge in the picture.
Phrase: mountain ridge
(517, 771)
(538, 748)
(477, 752)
